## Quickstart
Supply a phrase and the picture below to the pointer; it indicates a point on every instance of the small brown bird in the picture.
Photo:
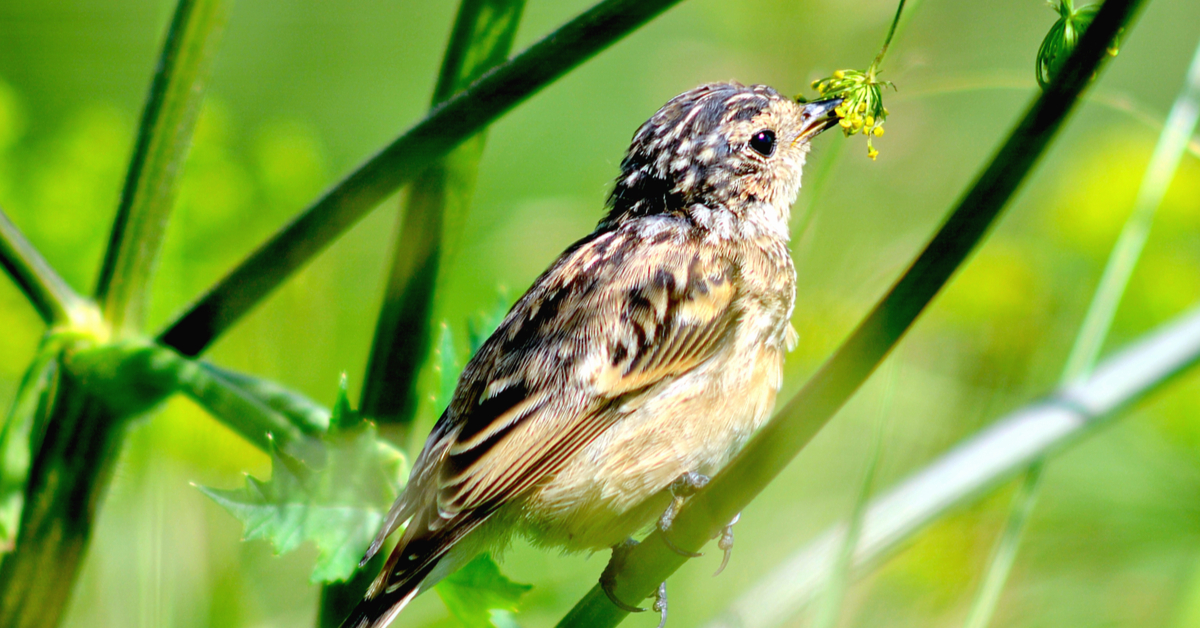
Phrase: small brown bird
(633, 368)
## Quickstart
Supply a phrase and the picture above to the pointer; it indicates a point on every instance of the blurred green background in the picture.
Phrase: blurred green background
(303, 91)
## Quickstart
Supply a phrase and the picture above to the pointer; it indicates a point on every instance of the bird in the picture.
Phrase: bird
(635, 367)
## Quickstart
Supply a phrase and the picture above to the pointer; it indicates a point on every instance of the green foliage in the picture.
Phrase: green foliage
(480, 596)
(336, 503)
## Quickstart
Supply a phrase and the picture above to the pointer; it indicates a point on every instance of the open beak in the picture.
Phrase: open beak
(817, 116)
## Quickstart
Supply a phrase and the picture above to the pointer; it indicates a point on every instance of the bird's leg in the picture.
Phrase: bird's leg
(660, 603)
(608, 577)
(680, 490)
(725, 542)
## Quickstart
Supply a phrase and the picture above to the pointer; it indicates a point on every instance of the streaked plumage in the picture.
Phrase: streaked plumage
(651, 348)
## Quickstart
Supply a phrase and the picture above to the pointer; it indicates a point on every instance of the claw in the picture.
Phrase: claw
(608, 576)
(726, 544)
(660, 603)
(680, 490)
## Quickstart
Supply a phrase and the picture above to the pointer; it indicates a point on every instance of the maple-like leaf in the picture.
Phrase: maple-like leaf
(337, 503)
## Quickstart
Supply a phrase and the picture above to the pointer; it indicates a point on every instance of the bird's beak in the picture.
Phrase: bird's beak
(817, 116)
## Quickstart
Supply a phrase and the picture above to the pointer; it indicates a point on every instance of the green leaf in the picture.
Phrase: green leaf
(480, 596)
(338, 506)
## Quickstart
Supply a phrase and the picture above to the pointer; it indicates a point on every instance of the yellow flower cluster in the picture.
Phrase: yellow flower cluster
(862, 109)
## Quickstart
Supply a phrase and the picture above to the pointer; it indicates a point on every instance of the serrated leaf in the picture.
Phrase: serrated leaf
(343, 417)
(480, 596)
(338, 506)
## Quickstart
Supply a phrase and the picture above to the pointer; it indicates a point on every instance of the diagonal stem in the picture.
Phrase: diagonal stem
(1164, 162)
(773, 447)
(164, 137)
(973, 468)
(464, 115)
(53, 299)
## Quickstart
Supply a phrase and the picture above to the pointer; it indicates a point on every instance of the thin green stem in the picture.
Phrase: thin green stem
(887, 41)
(164, 137)
(974, 467)
(1164, 162)
(774, 446)
(461, 117)
(1005, 553)
(53, 299)
(839, 576)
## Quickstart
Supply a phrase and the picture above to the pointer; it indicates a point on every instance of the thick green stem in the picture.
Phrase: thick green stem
(68, 479)
(774, 446)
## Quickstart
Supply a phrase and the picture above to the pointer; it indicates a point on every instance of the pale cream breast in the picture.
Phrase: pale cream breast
(694, 422)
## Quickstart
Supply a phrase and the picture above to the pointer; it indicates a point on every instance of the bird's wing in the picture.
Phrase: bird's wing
(616, 315)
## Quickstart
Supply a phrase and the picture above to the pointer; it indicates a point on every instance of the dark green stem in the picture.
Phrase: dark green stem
(69, 476)
(436, 208)
(53, 299)
(461, 117)
(796, 423)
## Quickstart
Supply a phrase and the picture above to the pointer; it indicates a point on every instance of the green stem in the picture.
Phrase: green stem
(436, 209)
(839, 576)
(461, 117)
(53, 299)
(67, 481)
(974, 467)
(887, 41)
(774, 446)
(1164, 162)
(164, 137)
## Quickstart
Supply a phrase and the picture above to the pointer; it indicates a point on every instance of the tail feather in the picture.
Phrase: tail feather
(379, 611)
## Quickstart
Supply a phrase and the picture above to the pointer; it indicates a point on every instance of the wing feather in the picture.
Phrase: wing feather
(618, 314)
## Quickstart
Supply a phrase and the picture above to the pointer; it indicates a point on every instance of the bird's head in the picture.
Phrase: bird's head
(720, 149)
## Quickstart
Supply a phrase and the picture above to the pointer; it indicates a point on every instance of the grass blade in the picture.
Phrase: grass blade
(53, 299)
(796, 423)
(164, 137)
(974, 467)
(436, 209)
(461, 117)
(1172, 142)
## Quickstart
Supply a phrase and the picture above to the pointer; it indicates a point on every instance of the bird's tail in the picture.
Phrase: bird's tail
(380, 610)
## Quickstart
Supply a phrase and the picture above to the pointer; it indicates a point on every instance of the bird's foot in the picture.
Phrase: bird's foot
(686, 486)
(609, 575)
(725, 542)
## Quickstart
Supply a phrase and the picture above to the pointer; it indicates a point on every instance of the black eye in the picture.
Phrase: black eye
(763, 142)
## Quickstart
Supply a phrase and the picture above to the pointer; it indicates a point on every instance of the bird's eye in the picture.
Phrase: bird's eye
(763, 142)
